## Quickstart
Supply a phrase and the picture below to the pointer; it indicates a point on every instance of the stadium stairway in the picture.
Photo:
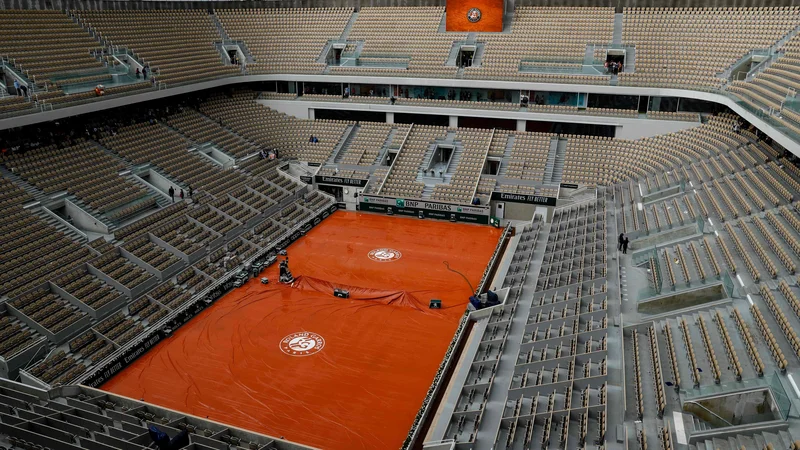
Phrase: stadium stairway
(60, 226)
(558, 163)
(225, 127)
(220, 29)
(506, 155)
(101, 217)
(24, 185)
(349, 26)
(385, 148)
(550, 164)
(617, 37)
(458, 150)
(344, 143)
(162, 199)
(760, 441)
(504, 372)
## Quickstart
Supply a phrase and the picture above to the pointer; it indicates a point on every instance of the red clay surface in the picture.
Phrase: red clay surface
(382, 346)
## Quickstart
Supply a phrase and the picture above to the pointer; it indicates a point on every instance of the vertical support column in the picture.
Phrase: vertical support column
(453, 122)
(522, 124)
(389, 117)
(311, 113)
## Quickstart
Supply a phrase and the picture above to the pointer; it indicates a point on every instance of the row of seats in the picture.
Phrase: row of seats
(401, 179)
(201, 130)
(285, 40)
(709, 347)
(87, 288)
(772, 343)
(120, 269)
(272, 130)
(369, 141)
(81, 169)
(673, 115)
(687, 48)
(463, 182)
(658, 377)
(542, 35)
(46, 44)
(749, 343)
(175, 44)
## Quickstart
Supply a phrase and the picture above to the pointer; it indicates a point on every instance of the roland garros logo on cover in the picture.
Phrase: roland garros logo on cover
(384, 255)
(302, 344)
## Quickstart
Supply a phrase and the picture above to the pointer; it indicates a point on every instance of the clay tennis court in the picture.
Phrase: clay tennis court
(360, 389)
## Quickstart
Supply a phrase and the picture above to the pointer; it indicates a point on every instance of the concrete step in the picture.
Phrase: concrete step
(455, 159)
(549, 165)
(200, 113)
(22, 184)
(162, 200)
(349, 26)
(617, 36)
(101, 217)
(218, 25)
(386, 144)
(60, 226)
(344, 143)
(558, 164)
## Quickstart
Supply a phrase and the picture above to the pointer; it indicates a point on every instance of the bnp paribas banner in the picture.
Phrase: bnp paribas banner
(432, 210)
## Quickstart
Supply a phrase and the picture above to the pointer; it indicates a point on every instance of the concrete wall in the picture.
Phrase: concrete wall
(643, 128)
(83, 219)
(299, 109)
(515, 211)
(163, 183)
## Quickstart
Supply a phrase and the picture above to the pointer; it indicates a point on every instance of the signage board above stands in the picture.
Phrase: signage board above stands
(530, 199)
(427, 209)
(340, 181)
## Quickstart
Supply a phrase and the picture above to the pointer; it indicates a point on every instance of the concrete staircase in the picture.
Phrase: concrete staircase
(549, 165)
(385, 148)
(100, 217)
(220, 29)
(60, 226)
(617, 36)
(162, 200)
(428, 190)
(349, 26)
(24, 185)
(759, 441)
(344, 142)
(506, 155)
(455, 158)
(558, 165)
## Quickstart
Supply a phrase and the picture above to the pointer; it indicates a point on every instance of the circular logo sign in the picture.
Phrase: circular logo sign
(302, 344)
(384, 255)
(474, 15)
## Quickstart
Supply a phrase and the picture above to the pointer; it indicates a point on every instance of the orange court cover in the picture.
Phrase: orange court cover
(297, 362)
(474, 15)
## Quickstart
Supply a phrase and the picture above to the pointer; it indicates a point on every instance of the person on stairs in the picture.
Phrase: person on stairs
(172, 193)
(625, 246)
(619, 241)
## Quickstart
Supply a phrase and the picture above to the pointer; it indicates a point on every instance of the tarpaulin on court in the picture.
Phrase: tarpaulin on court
(297, 362)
